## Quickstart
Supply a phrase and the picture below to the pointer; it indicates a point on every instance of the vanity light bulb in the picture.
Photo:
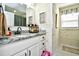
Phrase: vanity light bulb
(14, 11)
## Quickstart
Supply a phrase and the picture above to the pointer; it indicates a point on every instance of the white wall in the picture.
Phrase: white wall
(39, 8)
(49, 25)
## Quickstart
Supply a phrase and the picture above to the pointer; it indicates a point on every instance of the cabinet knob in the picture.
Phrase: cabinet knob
(43, 37)
(29, 53)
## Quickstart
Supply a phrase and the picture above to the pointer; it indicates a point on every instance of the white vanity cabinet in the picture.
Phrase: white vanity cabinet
(22, 53)
(28, 47)
(9, 18)
(34, 50)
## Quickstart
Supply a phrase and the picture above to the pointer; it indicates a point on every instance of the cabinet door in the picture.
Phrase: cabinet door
(34, 50)
(41, 50)
(22, 53)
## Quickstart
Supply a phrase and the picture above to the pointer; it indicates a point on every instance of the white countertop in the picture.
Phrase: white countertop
(15, 38)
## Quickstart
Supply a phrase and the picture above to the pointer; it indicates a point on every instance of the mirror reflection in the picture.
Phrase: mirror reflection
(15, 14)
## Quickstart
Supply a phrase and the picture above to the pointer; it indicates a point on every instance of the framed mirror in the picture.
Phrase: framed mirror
(16, 14)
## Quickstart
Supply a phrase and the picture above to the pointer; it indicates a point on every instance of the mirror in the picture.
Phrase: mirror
(15, 14)
(18, 14)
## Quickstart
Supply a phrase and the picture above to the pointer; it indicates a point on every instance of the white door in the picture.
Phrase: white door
(9, 18)
(34, 50)
(22, 53)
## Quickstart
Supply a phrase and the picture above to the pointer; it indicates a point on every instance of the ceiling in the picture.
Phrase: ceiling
(20, 8)
(17, 6)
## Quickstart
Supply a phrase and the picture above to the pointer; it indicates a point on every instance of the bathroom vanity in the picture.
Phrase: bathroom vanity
(24, 45)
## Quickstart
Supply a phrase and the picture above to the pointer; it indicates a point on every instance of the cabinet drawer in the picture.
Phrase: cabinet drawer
(42, 44)
(43, 37)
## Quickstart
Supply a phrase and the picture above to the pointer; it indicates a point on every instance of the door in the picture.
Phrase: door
(10, 18)
(34, 50)
(22, 53)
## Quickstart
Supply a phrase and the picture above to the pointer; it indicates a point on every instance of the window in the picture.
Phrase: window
(19, 21)
(70, 20)
(69, 16)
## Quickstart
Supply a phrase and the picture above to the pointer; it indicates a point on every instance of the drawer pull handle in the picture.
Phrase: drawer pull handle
(25, 54)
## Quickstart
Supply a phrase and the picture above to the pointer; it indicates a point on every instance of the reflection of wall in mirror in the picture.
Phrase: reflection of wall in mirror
(42, 17)
(30, 19)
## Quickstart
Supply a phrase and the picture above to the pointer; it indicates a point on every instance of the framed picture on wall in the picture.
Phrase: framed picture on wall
(30, 19)
(42, 17)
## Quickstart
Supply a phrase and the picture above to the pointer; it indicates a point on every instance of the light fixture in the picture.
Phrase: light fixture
(14, 11)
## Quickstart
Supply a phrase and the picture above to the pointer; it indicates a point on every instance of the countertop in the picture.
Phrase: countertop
(23, 36)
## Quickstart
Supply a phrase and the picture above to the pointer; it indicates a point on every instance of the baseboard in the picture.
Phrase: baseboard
(70, 49)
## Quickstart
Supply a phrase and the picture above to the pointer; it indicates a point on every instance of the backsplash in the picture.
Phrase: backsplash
(15, 28)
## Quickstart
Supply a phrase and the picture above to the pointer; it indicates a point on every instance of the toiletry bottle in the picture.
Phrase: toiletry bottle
(9, 33)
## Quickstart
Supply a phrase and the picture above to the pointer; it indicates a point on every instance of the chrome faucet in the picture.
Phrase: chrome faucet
(19, 30)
